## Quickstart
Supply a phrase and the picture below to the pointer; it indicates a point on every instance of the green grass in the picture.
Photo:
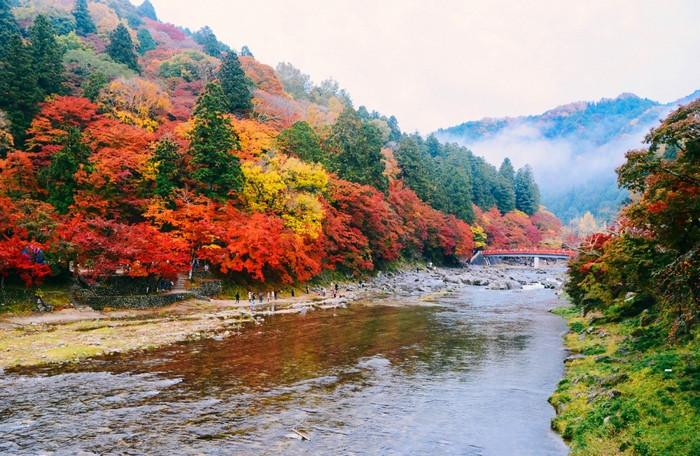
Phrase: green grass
(634, 393)
(20, 300)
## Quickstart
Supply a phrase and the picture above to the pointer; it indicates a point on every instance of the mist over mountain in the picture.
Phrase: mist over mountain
(574, 148)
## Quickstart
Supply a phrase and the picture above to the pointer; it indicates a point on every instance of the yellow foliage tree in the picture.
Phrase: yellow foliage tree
(6, 139)
(586, 225)
(264, 190)
(135, 101)
(479, 236)
(104, 17)
(289, 188)
(254, 137)
(304, 214)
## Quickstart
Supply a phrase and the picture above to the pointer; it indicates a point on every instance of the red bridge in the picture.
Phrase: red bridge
(485, 256)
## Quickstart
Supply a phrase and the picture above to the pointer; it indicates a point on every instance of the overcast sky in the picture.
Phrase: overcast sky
(438, 63)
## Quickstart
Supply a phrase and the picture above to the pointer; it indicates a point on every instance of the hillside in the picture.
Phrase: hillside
(133, 147)
(587, 139)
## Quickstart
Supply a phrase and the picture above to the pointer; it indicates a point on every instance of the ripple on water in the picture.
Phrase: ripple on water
(470, 377)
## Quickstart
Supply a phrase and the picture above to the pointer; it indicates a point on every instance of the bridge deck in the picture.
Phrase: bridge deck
(557, 254)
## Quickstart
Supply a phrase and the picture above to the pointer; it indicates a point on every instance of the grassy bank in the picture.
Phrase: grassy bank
(20, 300)
(627, 390)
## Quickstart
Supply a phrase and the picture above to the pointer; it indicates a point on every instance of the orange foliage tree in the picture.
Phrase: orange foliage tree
(19, 254)
(103, 248)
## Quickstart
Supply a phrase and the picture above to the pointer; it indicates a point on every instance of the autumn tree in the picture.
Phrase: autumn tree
(235, 85)
(84, 24)
(211, 143)
(121, 48)
(135, 101)
(372, 215)
(6, 139)
(261, 247)
(357, 154)
(667, 177)
(344, 245)
(527, 194)
(53, 123)
(102, 248)
(20, 255)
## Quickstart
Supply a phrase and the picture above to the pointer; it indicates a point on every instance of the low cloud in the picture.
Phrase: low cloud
(558, 163)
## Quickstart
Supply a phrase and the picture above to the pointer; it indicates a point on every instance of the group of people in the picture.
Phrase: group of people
(271, 296)
(334, 290)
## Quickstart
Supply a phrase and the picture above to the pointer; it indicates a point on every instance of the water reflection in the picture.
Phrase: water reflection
(469, 377)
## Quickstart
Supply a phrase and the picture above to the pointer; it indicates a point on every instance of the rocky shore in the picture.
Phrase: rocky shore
(73, 334)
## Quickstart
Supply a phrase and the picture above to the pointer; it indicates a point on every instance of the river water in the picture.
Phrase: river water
(469, 376)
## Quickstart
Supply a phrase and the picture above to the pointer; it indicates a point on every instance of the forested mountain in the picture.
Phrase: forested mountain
(135, 147)
(574, 148)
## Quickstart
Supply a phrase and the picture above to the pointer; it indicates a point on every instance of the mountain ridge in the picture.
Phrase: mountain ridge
(573, 147)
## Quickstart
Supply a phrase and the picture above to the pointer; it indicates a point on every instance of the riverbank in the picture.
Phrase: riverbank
(77, 333)
(627, 390)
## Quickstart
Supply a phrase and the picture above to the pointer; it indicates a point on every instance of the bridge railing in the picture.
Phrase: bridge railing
(553, 252)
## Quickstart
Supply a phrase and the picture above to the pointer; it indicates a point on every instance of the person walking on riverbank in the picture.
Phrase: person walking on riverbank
(238, 297)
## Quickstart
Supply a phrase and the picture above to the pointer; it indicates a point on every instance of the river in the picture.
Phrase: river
(469, 375)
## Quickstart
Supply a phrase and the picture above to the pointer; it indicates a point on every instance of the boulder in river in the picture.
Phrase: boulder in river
(513, 285)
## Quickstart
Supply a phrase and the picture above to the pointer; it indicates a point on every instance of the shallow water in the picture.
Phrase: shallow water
(468, 377)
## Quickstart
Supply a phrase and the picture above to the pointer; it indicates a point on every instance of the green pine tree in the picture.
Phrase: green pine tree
(416, 166)
(205, 36)
(504, 190)
(48, 57)
(146, 41)
(527, 194)
(121, 48)
(358, 157)
(95, 82)
(507, 171)
(83, 21)
(167, 163)
(146, 9)
(19, 92)
(504, 194)
(455, 184)
(433, 146)
(59, 176)
(301, 140)
(394, 130)
(235, 85)
(211, 143)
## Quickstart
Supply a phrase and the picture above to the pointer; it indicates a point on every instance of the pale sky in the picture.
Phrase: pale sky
(438, 63)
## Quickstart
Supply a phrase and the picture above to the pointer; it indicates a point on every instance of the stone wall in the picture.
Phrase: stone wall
(98, 301)
(133, 301)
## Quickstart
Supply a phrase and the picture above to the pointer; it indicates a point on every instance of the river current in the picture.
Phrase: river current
(468, 375)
